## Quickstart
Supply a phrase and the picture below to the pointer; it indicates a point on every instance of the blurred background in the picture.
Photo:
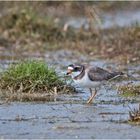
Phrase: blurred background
(106, 30)
(106, 34)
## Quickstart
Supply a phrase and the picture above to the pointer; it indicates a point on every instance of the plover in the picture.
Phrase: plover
(91, 77)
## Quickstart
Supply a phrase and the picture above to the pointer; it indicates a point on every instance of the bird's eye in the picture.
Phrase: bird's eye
(77, 68)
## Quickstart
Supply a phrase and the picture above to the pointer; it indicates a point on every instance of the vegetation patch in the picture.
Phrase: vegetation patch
(27, 22)
(24, 29)
(31, 80)
(135, 115)
(129, 90)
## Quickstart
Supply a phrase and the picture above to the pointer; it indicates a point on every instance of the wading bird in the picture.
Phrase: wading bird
(91, 77)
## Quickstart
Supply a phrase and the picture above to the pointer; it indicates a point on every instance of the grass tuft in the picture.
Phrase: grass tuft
(135, 115)
(129, 90)
(32, 77)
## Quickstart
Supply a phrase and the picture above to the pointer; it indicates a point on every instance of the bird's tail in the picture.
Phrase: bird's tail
(118, 74)
(123, 75)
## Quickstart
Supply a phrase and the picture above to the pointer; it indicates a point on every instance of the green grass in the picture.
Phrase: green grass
(129, 90)
(32, 77)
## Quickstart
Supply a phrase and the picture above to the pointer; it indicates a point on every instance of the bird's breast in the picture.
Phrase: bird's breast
(86, 82)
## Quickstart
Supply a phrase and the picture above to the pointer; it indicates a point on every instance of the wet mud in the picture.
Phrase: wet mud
(68, 116)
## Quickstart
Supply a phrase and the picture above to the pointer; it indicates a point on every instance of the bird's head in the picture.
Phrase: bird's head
(74, 69)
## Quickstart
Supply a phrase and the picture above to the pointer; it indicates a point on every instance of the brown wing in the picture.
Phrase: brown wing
(99, 74)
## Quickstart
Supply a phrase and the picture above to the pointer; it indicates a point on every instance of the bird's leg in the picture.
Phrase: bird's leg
(93, 94)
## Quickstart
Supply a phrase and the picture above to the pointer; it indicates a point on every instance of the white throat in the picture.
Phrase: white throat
(74, 74)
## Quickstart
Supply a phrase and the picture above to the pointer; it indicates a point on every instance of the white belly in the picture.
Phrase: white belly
(86, 82)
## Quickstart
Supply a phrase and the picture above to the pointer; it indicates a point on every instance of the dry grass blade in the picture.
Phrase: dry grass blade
(134, 115)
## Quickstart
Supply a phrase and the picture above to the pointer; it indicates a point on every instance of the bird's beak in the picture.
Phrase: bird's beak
(69, 72)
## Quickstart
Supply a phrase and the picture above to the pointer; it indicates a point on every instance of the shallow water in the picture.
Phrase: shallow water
(65, 120)
(108, 20)
(69, 116)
